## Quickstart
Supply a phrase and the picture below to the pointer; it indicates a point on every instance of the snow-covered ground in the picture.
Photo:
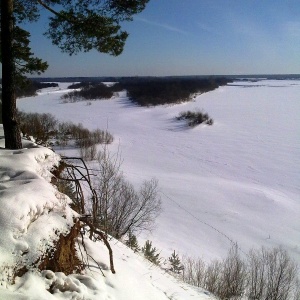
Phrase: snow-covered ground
(237, 180)
(33, 213)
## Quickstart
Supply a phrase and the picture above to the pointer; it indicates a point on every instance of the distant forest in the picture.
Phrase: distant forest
(27, 89)
(158, 91)
(90, 91)
(30, 88)
(147, 91)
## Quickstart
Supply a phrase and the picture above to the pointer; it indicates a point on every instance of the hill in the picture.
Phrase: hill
(37, 223)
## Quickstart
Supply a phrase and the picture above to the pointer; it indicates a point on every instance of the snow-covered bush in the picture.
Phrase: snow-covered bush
(195, 118)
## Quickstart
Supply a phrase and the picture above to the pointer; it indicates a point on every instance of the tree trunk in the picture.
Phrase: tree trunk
(9, 110)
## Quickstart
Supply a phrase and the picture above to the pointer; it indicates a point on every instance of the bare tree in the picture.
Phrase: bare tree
(273, 275)
(282, 274)
(212, 276)
(119, 208)
(296, 294)
(188, 270)
(233, 276)
(116, 208)
(257, 280)
(263, 275)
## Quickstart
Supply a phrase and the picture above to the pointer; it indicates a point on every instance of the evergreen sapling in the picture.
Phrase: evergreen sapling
(151, 253)
(132, 242)
(175, 263)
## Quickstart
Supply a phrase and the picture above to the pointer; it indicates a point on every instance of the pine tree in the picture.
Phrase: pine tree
(151, 253)
(132, 242)
(74, 26)
(175, 263)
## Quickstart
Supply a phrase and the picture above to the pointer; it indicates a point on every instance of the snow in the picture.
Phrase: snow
(235, 181)
(136, 278)
(33, 214)
(28, 201)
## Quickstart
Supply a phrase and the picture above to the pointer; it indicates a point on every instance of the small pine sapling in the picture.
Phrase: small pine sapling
(151, 253)
(132, 242)
(175, 263)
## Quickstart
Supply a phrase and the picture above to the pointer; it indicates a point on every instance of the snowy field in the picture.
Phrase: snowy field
(235, 181)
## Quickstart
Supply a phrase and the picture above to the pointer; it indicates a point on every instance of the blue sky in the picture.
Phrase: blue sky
(192, 37)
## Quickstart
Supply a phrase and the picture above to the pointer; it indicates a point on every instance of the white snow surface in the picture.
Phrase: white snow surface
(33, 214)
(235, 181)
(28, 201)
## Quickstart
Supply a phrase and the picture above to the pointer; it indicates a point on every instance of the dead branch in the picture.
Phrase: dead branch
(72, 173)
(104, 239)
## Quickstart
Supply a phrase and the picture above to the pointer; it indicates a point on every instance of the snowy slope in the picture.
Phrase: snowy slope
(33, 213)
(237, 180)
(28, 201)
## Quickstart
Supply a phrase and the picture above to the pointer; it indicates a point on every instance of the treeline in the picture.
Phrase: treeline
(158, 91)
(90, 91)
(147, 91)
(30, 87)
(27, 89)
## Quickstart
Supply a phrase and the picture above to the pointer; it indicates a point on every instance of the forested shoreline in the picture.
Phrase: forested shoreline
(144, 91)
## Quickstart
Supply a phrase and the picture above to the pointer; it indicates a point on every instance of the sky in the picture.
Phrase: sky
(191, 37)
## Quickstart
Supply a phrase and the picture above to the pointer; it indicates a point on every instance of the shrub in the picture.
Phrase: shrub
(114, 206)
(87, 150)
(102, 137)
(232, 281)
(86, 140)
(212, 277)
(40, 126)
(264, 274)
(195, 118)
(44, 127)
(272, 275)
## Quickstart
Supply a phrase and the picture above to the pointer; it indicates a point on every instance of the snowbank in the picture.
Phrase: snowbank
(33, 213)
